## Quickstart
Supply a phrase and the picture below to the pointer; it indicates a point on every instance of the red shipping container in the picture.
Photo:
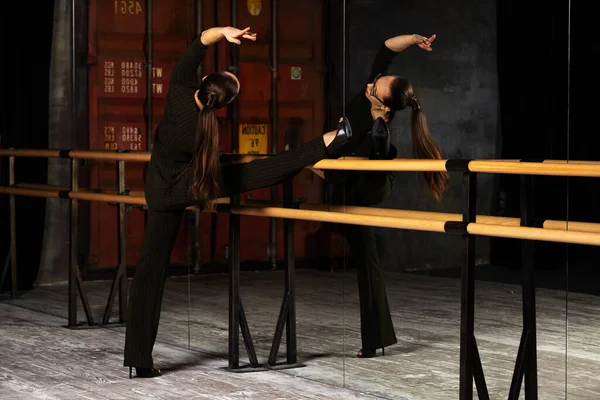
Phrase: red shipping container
(300, 102)
(117, 105)
(117, 101)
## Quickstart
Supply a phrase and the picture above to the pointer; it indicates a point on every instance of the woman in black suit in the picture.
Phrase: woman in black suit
(185, 170)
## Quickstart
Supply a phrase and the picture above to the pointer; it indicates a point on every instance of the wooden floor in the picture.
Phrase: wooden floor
(41, 359)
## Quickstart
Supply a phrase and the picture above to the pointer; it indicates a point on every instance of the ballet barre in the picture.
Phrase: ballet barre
(467, 224)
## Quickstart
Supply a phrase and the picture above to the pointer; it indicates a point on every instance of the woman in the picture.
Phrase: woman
(185, 170)
(383, 97)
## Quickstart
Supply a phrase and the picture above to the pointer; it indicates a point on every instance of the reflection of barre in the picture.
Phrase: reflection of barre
(553, 231)
(137, 198)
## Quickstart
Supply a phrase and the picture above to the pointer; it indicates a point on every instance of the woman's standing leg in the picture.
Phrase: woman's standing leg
(143, 313)
(377, 328)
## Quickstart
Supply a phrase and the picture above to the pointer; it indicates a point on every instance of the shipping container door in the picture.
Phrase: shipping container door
(117, 104)
(300, 100)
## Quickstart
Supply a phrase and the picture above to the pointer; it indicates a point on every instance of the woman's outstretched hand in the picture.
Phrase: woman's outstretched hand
(425, 42)
(233, 35)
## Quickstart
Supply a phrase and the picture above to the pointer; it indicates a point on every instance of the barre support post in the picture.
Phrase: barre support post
(470, 362)
(13, 230)
(287, 312)
(73, 244)
(526, 363)
(234, 288)
(75, 281)
(119, 284)
(122, 274)
(290, 276)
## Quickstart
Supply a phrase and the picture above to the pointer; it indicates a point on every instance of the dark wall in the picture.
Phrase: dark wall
(24, 83)
(533, 99)
(584, 134)
(457, 87)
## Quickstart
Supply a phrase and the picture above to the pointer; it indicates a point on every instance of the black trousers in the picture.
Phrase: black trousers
(165, 211)
(377, 328)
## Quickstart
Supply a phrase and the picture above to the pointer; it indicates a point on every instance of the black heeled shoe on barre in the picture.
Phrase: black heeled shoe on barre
(369, 353)
(382, 141)
(145, 372)
(342, 136)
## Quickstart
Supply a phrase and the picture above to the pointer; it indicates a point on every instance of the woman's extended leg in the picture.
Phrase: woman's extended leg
(243, 177)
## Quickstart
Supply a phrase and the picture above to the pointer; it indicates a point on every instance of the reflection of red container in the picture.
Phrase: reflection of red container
(117, 97)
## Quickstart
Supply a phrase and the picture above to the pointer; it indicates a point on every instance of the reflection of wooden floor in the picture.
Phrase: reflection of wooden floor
(423, 365)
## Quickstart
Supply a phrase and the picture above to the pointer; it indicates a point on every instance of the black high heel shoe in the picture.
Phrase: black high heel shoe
(382, 141)
(342, 136)
(145, 372)
(369, 353)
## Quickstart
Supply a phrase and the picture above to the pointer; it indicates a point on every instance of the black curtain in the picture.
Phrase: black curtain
(24, 124)
(532, 42)
(584, 142)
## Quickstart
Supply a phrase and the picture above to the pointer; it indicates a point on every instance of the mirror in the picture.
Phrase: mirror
(473, 110)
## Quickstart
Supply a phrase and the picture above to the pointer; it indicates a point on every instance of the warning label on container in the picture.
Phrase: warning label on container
(253, 138)
(127, 78)
(123, 136)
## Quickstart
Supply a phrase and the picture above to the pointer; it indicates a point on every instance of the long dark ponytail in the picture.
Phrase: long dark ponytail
(423, 145)
(217, 90)
(205, 186)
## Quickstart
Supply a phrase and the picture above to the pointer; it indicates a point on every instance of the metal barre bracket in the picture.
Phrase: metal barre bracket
(456, 228)
(458, 165)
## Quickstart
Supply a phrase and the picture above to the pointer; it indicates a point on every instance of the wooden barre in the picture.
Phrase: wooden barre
(107, 155)
(549, 161)
(481, 219)
(547, 167)
(541, 234)
(33, 153)
(137, 197)
(83, 195)
(531, 168)
(484, 166)
(136, 156)
(430, 215)
(397, 164)
(513, 232)
(435, 222)
(145, 156)
(29, 192)
(40, 186)
(354, 219)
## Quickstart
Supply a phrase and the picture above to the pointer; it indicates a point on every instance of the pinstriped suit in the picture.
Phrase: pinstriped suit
(168, 180)
(367, 189)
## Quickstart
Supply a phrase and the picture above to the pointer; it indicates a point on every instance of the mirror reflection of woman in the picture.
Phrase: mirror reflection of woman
(370, 112)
